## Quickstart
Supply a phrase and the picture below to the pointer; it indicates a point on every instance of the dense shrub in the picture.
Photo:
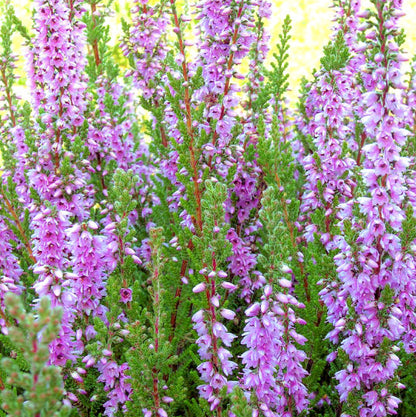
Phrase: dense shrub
(181, 241)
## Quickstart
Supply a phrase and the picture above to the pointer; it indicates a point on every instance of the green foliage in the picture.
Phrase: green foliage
(126, 273)
(336, 54)
(240, 407)
(277, 77)
(408, 378)
(283, 244)
(7, 80)
(33, 388)
(156, 380)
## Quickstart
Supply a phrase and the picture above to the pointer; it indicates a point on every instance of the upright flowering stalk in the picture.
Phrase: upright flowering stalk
(146, 47)
(13, 188)
(329, 184)
(242, 28)
(332, 147)
(57, 88)
(89, 264)
(214, 340)
(113, 254)
(242, 262)
(110, 137)
(374, 269)
(10, 270)
(273, 372)
(331, 125)
(57, 83)
(51, 253)
(222, 46)
(245, 193)
(152, 352)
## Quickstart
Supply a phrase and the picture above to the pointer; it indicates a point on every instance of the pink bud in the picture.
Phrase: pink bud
(72, 397)
(298, 337)
(253, 310)
(162, 413)
(264, 306)
(136, 260)
(268, 291)
(285, 283)
(199, 288)
(214, 404)
(92, 225)
(340, 323)
(56, 289)
(228, 286)
(167, 400)
(129, 251)
(227, 314)
(282, 298)
(198, 316)
(77, 377)
(215, 301)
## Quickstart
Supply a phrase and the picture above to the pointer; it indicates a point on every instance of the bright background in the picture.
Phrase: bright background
(311, 25)
(311, 22)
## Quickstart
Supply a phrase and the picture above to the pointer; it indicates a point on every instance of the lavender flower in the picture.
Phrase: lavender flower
(10, 270)
(370, 273)
(51, 252)
(273, 371)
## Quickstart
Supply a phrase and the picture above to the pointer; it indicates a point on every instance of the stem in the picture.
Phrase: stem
(291, 229)
(95, 42)
(57, 131)
(228, 81)
(188, 114)
(363, 138)
(8, 97)
(178, 294)
(20, 227)
(210, 292)
(155, 371)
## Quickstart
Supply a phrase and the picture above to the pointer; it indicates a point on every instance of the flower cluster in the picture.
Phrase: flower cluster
(272, 362)
(9, 270)
(208, 248)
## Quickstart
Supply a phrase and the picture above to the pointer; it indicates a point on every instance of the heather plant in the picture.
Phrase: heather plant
(32, 386)
(178, 239)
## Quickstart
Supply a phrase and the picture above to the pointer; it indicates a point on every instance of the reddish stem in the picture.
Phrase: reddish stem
(95, 42)
(8, 97)
(20, 227)
(228, 81)
(188, 114)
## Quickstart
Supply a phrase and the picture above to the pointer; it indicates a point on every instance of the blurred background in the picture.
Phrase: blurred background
(311, 22)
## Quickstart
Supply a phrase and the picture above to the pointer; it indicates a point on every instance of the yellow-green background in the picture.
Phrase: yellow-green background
(311, 27)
